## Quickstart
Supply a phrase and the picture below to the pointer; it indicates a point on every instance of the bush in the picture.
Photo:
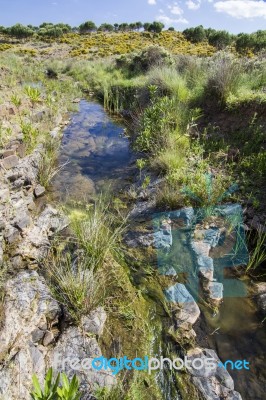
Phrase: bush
(152, 56)
(223, 77)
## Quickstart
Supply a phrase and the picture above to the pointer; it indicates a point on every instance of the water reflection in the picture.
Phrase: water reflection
(96, 153)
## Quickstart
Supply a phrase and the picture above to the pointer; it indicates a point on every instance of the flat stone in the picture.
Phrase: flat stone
(201, 248)
(23, 223)
(8, 153)
(216, 290)
(10, 162)
(206, 269)
(39, 191)
(37, 335)
(4, 195)
(12, 235)
(48, 338)
(171, 272)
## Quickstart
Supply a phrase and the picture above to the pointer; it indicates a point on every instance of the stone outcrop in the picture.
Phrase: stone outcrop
(214, 383)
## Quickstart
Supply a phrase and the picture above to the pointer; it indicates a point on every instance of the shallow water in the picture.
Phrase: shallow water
(99, 157)
(95, 155)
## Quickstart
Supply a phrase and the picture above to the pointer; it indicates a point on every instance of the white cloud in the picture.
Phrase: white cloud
(176, 10)
(193, 5)
(152, 2)
(242, 8)
(170, 21)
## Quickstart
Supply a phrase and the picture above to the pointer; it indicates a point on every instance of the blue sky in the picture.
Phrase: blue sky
(233, 15)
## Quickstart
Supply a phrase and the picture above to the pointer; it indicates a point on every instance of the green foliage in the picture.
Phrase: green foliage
(20, 31)
(73, 284)
(53, 390)
(98, 233)
(69, 389)
(220, 39)
(195, 35)
(30, 136)
(33, 93)
(87, 27)
(223, 77)
(49, 391)
(258, 254)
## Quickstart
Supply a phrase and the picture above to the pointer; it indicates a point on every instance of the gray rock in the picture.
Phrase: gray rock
(94, 323)
(12, 235)
(216, 291)
(73, 345)
(186, 213)
(212, 236)
(39, 191)
(37, 335)
(215, 383)
(27, 303)
(23, 222)
(10, 162)
(171, 272)
(48, 338)
(4, 195)
(188, 310)
(16, 376)
(206, 268)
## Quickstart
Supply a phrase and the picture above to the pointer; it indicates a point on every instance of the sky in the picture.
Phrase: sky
(233, 15)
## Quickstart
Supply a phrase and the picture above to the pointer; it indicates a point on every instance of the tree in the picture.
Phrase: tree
(171, 28)
(87, 27)
(259, 40)
(146, 26)
(195, 35)
(220, 39)
(53, 31)
(123, 27)
(106, 28)
(20, 31)
(139, 25)
(244, 42)
(116, 26)
(65, 27)
(156, 27)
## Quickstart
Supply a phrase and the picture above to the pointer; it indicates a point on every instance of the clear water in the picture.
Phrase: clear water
(95, 154)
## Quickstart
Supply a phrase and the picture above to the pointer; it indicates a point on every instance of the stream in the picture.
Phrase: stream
(97, 158)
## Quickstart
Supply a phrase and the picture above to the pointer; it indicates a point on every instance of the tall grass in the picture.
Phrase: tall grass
(74, 285)
(97, 232)
(258, 254)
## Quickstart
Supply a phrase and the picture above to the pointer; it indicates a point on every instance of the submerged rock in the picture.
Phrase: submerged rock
(187, 309)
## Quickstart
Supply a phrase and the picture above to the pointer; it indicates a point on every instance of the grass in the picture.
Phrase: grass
(73, 284)
(97, 232)
(258, 254)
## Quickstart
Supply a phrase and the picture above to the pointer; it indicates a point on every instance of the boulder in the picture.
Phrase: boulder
(214, 383)
(74, 345)
(94, 322)
(187, 309)
(10, 162)
(39, 191)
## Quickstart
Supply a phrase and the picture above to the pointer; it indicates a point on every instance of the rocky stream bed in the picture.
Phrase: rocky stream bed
(31, 334)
